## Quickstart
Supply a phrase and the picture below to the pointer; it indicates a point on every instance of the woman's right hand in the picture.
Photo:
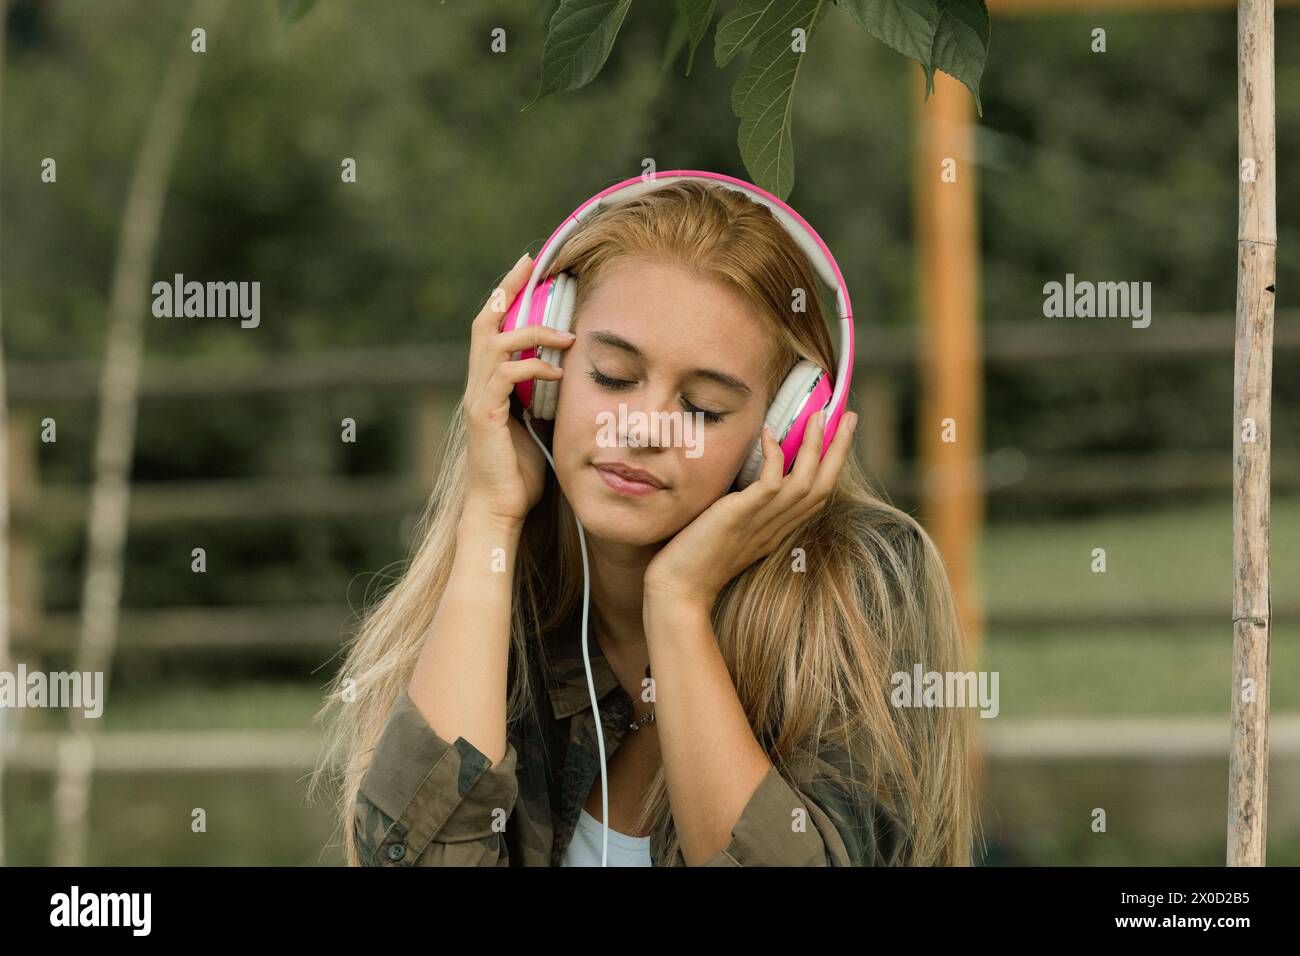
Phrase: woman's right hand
(507, 471)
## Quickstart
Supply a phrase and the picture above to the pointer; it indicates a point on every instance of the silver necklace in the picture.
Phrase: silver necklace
(648, 718)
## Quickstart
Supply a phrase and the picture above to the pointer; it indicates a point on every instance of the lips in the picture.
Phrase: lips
(631, 473)
(628, 480)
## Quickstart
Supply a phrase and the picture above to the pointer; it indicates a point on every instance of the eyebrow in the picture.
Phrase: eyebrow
(722, 378)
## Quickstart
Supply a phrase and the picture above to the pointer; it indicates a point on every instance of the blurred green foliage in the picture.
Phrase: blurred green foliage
(1118, 166)
(1105, 165)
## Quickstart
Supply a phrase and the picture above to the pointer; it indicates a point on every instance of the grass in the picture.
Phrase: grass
(1131, 672)
(1175, 557)
(242, 705)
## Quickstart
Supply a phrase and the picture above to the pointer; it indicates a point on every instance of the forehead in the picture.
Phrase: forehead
(674, 316)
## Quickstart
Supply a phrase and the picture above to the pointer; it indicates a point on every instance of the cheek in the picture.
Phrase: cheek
(575, 413)
(712, 472)
(577, 420)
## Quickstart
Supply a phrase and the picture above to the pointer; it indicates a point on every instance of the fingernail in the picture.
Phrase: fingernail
(568, 335)
(522, 260)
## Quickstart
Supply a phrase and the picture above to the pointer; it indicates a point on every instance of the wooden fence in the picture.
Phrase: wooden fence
(433, 377)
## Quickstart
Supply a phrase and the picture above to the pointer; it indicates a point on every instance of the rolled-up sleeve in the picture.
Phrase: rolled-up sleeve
(425, 801)
(814, 817)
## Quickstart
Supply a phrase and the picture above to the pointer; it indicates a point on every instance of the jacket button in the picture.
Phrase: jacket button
(396, 852)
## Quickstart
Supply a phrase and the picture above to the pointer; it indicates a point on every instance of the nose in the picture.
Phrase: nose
(649, 424)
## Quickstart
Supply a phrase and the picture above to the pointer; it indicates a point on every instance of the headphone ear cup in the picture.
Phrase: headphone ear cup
(526, 390)
(558, 316)
(804, 392)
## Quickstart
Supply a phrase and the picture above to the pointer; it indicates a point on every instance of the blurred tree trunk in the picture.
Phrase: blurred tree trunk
(115, 438)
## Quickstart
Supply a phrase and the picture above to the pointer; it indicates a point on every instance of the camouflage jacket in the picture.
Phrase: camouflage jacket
(425, 801)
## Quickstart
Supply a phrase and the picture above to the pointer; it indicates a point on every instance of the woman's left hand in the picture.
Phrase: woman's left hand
(744, 526)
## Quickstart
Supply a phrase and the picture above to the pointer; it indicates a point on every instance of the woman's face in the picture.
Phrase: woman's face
(664, 345)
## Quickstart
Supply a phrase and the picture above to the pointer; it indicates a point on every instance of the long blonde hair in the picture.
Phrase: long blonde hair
(811, 654)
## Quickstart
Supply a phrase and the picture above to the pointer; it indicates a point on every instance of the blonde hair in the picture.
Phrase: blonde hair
(811, 655)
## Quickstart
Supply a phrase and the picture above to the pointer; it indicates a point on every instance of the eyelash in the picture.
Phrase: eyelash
(618, 384)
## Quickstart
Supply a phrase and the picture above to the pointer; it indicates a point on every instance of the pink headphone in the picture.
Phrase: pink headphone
(807, 388)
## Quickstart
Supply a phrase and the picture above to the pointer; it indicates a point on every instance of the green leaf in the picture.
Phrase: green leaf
(763, 96)
(291, 10)
(546, 10)
(677, 36)
(961, 45)
(948, 35)
(907, 26)
(741, 27)
(581, 34)
(697, 15)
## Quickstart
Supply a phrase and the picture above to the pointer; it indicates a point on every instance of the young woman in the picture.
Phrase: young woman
(743, 641)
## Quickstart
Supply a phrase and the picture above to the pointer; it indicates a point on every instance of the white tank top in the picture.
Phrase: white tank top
(584, 848)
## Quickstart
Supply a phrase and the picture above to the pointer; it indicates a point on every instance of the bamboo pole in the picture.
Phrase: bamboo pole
(1252, 390)
(5, 603)
(115, 438)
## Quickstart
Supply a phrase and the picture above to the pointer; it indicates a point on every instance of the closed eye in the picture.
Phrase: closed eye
(618, 385)
(604, 381)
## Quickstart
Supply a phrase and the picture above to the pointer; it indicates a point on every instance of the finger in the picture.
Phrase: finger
(489, 319)
(769, 477)
(504, 345)
(801, 476)
(508, 374)
(530, 337)
(836, 456)
(797, 485)
(828, 469)
(796, 515)
(512, 373)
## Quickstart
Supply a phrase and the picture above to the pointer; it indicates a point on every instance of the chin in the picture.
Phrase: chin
(616, 525)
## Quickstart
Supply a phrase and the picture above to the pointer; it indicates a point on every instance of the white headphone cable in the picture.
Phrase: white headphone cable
(586, 660)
